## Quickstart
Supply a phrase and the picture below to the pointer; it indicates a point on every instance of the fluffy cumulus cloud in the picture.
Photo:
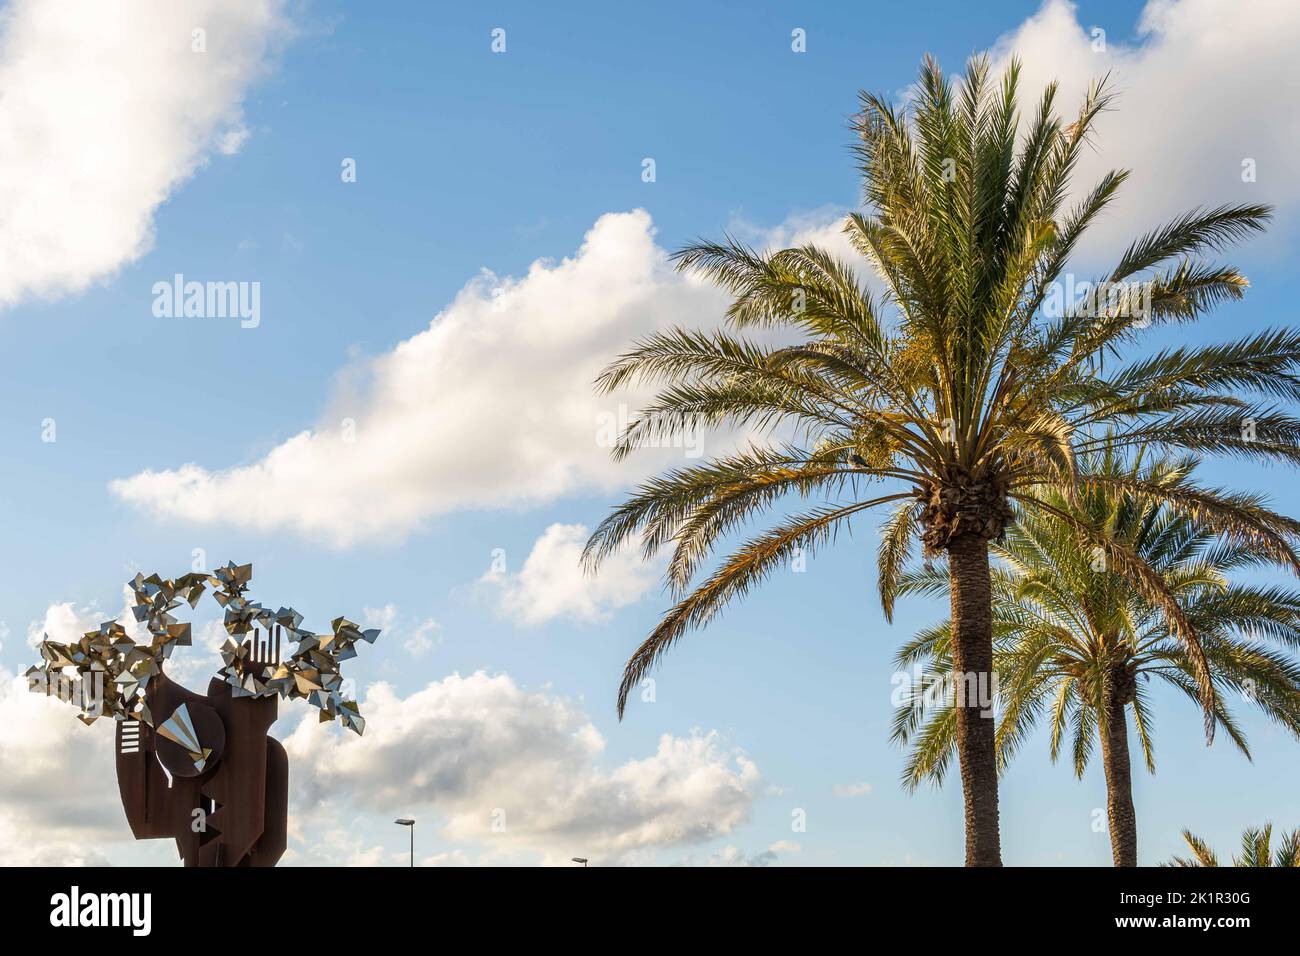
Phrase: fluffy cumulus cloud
(58, 804)
(196, 665)
(823, 228)
(56, 774)
(511, 772)
(852, 789)
(417, 639)
(490, 406)
(107, 108)
(551, 583)
(64, 622)
(192, 666)
(1209, 86)
(734, 856)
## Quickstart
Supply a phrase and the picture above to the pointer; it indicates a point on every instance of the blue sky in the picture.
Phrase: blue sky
(469, 160)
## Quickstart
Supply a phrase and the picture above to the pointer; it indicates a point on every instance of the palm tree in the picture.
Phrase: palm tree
(1254, 849)
(1075, 643)
(974, 393)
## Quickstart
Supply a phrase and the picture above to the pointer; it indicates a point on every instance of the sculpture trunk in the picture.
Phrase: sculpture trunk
(233, 812)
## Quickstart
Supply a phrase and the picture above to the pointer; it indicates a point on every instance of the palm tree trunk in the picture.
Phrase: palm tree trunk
(972, 655)
(1119, 781)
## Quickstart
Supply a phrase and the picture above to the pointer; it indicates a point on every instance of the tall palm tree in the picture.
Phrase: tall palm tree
(1254, 849)
(975, 391)
(1074, 642)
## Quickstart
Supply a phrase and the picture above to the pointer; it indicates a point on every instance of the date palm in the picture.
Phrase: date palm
(955, 392)
(1255, 847)
(1075, 643)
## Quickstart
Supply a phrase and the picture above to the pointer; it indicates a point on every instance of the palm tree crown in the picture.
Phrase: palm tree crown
(1255, 848)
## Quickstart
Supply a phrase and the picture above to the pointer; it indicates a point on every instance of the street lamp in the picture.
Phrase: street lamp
(406, 822)
(580, 859)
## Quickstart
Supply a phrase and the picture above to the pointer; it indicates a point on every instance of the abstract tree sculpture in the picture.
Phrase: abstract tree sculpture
(203, 769)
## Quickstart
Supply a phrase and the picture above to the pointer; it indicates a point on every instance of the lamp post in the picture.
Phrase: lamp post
(407, 822)
(582, 860)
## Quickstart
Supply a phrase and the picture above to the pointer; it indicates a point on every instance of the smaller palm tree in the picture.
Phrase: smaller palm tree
(1255, 844)
(1076, 643)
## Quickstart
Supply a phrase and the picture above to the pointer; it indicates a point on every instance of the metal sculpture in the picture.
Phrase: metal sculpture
(203, 770)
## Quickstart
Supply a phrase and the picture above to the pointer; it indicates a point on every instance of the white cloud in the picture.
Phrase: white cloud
(326, 837)
(507, 774)
(190, 666)
(823, 228)
(733, 856)
(513, 772)
(195, 666)
(106, 110)
(380, 617)
(64, 623)
(1209, 84)
(232, 140)
(416, 641)
(851, 789)
(453, 858)
(490, 406)
(552, 584)
(423, 638)
(58, 803)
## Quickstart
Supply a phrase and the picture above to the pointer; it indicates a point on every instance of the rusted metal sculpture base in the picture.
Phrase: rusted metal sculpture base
(226, 807)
